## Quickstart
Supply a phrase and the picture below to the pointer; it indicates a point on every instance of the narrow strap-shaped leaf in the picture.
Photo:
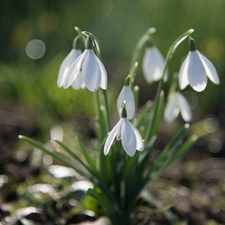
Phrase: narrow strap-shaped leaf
(154, 122)
(53, 155)
(105, 203)
(154, 175)
(158, 115)
(143, 112)
(89, 160)
(184, 148)
(169, 149)
(94, 173)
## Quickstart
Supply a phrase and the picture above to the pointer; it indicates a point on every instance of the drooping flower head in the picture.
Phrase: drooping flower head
(195, 69)
(125, 131)
(177, 104)
(87, 70)
(70, 58)
(153, 64)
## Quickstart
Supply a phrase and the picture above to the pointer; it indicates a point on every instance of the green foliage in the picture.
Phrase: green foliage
(118, 179)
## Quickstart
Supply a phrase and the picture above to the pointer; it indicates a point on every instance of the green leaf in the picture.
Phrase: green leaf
(155, 120)
(57, 157)
(89, 160)
(169, 149)
(141, 118)
(106, 205)
(153, 175)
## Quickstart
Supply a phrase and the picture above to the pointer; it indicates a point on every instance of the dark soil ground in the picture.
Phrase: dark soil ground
(191, 192)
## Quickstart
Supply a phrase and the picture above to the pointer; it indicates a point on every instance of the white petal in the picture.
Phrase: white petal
(153, 63)
(127, 95)
(139, 140)
(103, 83)
(74, 70)
(196, 72)
(70, 58)
(171, 110)
(128, 138)
(183, 78)
(184, 107)
(210, 69)
(111, 137)
(78, 82)
(91, 71)
(159, 64)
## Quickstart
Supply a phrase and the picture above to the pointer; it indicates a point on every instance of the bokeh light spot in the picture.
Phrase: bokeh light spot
(47, 160)
(35, 49)
(215, 145)
(210, 125)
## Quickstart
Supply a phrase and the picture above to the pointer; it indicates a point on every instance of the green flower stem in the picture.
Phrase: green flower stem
(98, 115)
(107, 110)
(96, 43)
(139, 47)
(170, 53)
(79, 31)
(174, 84)
(132, 74)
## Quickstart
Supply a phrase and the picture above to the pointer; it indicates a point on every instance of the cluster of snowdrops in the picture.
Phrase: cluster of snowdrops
(120, 176)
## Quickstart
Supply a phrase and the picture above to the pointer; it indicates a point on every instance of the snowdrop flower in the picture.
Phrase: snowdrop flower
(195, 70)
(87, 71)
(153, 64)
(126, 95)
(70, 58)
(177, 103)
(129, 135)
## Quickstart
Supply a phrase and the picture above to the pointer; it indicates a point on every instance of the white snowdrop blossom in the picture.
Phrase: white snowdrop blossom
(127, 95)
(87, 71)
(70, 58)
(153, 64)
(194, 71)
(177, 103)
(129, 135)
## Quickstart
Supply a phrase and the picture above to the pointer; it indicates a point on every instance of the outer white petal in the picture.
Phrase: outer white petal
(118, 136)
(78, 82)
(111, 137)
(184, 107)
(183, 77)
(91, 71)
(171, 110)
(196, 72)
(159, 64)
(128, 138)
(126, 94)
(70, 58)
(139, 140)
(74, 70)
(103, 83)
(153, 63)
(210, 69)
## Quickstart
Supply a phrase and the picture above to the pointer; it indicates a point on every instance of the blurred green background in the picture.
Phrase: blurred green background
(30, 101)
